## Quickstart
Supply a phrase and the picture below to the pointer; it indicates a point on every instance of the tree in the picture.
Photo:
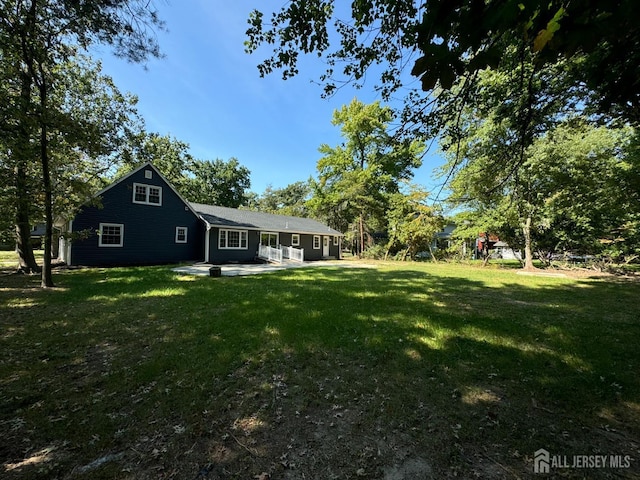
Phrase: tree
(412, 223)
(218, 182)
(355, 177)
(36, 36)
(290, 200)
(90, 120)
(585, 176)
(212, 182)
(94, 124)
(443, 42)
(170, 155)
(488, 142)
(567, 195)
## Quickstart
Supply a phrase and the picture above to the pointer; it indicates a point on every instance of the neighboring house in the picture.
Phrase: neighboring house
(143, 220)
(499, 248)
(442, 240)
(504, 251)
(38, 233)
(485, 242)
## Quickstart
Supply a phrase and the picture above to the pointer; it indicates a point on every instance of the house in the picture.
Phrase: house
(442, 239)
(499, 248)
(143, 220)
(231, 234)
(37, 238)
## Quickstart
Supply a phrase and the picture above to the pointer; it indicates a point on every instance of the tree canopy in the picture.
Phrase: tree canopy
(441, 42)
(290, 200)
(355, 177)
(213, 182)
(217, 182)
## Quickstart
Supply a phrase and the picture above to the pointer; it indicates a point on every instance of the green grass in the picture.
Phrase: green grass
(315, 373)
(8, 259)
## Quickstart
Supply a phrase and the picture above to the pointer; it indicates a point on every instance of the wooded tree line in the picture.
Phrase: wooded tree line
(534, 104)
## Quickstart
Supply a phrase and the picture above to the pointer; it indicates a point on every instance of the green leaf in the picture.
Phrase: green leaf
(544, 36)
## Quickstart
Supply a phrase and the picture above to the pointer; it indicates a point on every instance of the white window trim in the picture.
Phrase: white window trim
(295, 239)
(146, 189)
(242, 233)
(148, 174)
(317, 244)
(186, 233)
(270, 233)
(101, 227)
(335, 241)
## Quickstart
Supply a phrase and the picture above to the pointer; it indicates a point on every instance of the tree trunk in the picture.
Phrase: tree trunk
(431, 254)
(361, 236)
(47, 278)
(485, 251)
(528, 257)
(26, 258)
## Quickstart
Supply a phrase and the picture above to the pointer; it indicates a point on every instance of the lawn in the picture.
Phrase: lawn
(403, 371)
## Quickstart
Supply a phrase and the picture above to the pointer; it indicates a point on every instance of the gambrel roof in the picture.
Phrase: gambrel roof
(251, 220)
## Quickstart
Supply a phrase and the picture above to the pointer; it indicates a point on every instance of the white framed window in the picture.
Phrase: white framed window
(335, 241)
(271, 239)
(147, 194)
(181, 234)
(295, 240)
(148, 174)
(316, 242)
(232, 239)
(111, 235)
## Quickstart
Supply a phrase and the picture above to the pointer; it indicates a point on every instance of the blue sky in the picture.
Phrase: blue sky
(207, 92)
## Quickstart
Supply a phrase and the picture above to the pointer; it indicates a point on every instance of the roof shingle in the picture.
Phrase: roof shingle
(234, 218)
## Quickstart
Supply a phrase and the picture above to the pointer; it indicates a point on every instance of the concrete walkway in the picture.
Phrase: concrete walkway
(234, 270)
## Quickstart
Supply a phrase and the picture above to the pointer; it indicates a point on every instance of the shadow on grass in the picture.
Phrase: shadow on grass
(338, 371)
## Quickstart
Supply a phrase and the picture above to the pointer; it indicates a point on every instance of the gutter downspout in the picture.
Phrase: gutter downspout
(207, 236)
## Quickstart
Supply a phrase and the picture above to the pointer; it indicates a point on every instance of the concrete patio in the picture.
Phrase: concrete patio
(241, 269)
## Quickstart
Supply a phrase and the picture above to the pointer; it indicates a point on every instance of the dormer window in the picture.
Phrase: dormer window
(147, 194)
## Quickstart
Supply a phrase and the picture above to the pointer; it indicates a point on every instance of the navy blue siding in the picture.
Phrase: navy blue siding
(249, 254)
(149, 230)
(217, 255)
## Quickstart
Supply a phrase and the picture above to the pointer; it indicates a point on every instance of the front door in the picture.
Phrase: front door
(325, 246)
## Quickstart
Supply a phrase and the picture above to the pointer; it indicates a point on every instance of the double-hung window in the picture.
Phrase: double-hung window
(295, 240)
(181, 234)
(111, 235)
(232, 239)
(316, 242)
(147, 194)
